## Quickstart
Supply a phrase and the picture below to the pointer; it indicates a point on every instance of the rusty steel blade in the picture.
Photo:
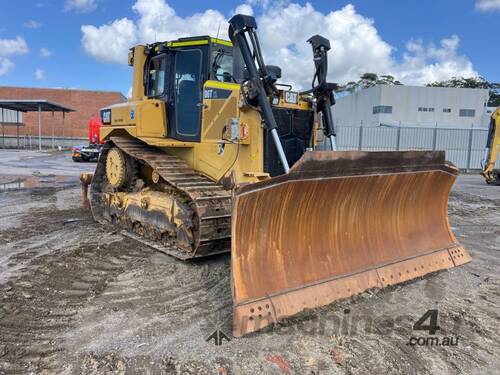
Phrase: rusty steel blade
(338, 224)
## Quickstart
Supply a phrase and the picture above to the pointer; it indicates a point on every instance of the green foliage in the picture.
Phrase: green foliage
(371, 79)
(367, 80)
(473, 83)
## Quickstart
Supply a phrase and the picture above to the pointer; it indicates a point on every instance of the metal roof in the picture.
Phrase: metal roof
(32, 105)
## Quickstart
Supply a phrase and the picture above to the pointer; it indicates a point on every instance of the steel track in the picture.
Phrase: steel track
(210, 203)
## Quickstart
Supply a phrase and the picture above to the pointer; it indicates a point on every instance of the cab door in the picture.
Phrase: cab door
(185, 102)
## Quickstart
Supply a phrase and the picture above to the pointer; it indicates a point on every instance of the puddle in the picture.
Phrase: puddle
(39, 182)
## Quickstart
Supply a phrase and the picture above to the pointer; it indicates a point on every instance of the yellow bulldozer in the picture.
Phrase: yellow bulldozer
(212, 154)
(489, 172)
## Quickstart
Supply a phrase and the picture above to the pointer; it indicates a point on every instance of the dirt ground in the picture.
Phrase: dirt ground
(80, 298)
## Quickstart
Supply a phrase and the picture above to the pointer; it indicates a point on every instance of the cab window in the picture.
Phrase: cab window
(222, 66)
(156, 76)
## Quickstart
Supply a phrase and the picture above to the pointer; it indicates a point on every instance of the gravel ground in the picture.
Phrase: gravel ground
(78, 297)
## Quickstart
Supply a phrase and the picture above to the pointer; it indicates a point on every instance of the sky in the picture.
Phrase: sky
(83, 44)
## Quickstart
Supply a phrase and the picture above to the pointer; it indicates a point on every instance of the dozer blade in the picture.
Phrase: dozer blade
(338, 224)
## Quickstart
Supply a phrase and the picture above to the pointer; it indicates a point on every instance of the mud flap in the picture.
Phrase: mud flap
(338, 224)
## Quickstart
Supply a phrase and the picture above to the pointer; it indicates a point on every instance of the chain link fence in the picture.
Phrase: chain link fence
(466, 148)
(29, 142)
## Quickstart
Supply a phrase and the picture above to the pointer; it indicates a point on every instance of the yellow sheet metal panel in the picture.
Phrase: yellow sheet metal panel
(108, 131)
(223, 85)
(124, 114)
(216, 155)
(303, 102)
(188, 43)
(216, 117)
(198, 42)
(151, 118)
(166, 142)
(138, 60)
(148, 115)
(221, 41)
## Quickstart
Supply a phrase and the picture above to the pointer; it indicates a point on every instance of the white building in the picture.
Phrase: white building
(412, 106)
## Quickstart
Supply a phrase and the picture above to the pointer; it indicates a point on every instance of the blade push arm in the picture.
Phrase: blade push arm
(241, 31)
(491, 175)
(321, 89)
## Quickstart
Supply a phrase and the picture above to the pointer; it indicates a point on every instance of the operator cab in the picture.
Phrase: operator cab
(176, 72)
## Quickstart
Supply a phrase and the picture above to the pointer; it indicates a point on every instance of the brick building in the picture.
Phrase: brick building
(86, 104)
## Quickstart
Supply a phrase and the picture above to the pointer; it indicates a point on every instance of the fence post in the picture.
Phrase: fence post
(360, 140)
(3, 129)
(470, 150)
(398, 137)
(52, 125)
(434, 137)
(17, 128)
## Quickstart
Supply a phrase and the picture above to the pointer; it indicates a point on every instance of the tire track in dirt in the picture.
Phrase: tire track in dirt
(59, 276)
(160, 301)
(57, 270)
(82, 299)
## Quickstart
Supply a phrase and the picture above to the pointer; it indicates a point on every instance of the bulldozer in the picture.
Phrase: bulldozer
(489, 172)
(213, 154)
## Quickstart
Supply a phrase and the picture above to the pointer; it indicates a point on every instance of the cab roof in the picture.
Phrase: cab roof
(192, 41)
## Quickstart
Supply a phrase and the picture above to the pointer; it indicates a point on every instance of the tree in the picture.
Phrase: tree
(473, 83)
(368, 80)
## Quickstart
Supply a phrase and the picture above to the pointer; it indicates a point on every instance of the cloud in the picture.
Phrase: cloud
(80, 6)
(487, 5)
(5, 66)
(423, 64)
(244, 9)
(10, 47)
(158, 21)
(45, 52)
(283, 29)
(356, 48)
(39, 74)
(111, 42)
(356, 45)
(32, 24)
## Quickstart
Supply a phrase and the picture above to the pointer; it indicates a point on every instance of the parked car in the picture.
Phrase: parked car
(91, 151)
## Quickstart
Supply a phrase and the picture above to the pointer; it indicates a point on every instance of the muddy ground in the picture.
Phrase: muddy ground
(79, 298)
